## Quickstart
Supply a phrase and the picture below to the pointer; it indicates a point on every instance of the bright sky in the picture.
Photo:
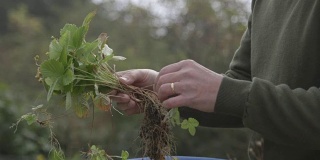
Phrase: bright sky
(164, 11)
(159, 9)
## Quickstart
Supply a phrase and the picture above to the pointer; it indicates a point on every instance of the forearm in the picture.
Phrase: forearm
(287, 116)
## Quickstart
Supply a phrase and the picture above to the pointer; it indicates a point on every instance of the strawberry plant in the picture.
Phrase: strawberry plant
(80, 72)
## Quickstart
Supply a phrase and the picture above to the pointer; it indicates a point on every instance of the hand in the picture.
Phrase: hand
(194, 86)
(138, 77)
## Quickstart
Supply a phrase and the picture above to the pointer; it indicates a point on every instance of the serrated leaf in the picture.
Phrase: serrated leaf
(68, 27)
(80, 106)
(64, 56)
(193, 122)
(55, 50)
(87, 48)
(103, 103)
(192, 130)
(68, 77)
(78, 37)
(81, 111)
(64, 42)
(88, 18)
(49, 82)
(124, 155)
(185, 124)
(64, 39)
(72, 29)
(52, 68)
(176, 116)
(85, 54)
(68, 101)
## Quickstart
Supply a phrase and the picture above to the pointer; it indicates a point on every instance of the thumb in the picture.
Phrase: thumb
(130, 76)
(126, 79)
(138, 77)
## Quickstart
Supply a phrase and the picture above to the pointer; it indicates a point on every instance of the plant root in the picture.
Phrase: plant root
(155, 131)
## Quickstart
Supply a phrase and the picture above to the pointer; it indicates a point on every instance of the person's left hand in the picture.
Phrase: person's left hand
(188, 83)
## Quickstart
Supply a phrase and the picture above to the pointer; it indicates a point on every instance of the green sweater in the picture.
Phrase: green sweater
(273, 83)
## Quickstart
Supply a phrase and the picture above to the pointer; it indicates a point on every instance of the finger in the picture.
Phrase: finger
(132, 111)
(167, 78)
(173, 102)
(132, 108)
(174, 67)
(166, 91)
(127, 77)
(137, 77)
(123, 106)
(120, 98)
(113, 92)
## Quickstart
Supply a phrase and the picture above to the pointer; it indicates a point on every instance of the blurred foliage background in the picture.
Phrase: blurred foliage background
(149, 33)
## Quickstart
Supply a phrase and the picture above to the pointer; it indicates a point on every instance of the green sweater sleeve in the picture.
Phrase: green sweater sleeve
(279, 113)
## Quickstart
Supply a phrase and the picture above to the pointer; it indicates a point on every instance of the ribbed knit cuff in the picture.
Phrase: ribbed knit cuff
(232, 97)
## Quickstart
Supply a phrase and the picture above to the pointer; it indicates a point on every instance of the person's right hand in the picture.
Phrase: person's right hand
(143, 78)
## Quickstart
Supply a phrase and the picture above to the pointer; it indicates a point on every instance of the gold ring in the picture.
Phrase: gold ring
(172, 88)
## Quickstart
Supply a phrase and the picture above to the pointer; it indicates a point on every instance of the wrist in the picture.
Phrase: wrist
(232, 97)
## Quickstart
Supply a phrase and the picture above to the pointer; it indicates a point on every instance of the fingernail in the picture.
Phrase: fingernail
(124, 79)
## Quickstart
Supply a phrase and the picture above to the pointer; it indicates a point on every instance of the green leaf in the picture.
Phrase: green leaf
(85, 54)
(192, 130)
(64, 56)
(64, 42)
(87, 48)
(185, 124)
(51, 89)
(30, 118)
(68, 77)
(88, 18)
(68, 27)
(72, 29)
(190, 124)
(50, 82)
(174, 116)
(68, 101)
(52, 68)
(78, 37)
(80, 106)
(64, 39)
(193, 122)
(124, 155)
(56, 154)
(55, 50)
(93, 148)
